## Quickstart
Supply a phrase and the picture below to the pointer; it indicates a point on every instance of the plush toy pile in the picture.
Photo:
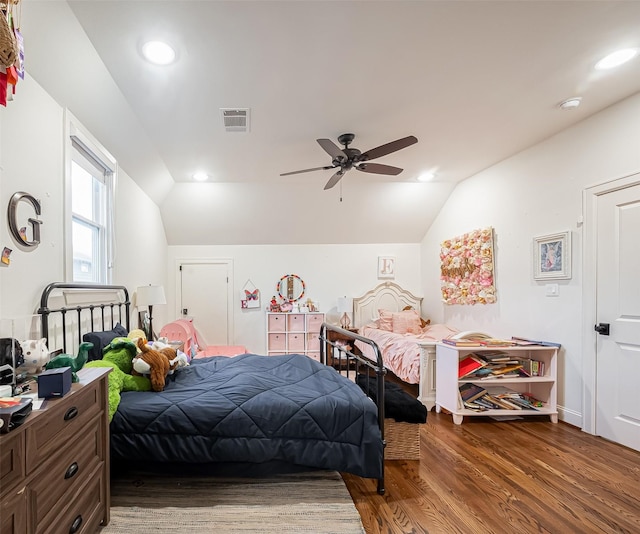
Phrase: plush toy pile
(157, 361)
(134, 364)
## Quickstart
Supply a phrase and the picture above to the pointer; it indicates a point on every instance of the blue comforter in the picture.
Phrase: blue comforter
(252, 409)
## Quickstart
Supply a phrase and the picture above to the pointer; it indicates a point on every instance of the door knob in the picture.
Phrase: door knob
(602, 329)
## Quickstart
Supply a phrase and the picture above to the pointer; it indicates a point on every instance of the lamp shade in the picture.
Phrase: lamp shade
(345, 305)
(150, 296)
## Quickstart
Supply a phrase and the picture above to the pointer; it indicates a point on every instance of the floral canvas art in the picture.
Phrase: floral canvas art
(466, 268)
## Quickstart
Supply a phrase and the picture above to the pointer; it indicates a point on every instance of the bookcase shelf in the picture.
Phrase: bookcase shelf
(542, 388)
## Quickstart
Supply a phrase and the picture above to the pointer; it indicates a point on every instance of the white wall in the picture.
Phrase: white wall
(329, 272)
(31, 157)
(536, 192)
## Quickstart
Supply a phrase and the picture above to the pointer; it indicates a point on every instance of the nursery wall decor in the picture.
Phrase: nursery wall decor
(251, 296)
(466, 268)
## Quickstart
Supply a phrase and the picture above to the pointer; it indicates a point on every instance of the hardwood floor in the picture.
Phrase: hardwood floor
(501, 477)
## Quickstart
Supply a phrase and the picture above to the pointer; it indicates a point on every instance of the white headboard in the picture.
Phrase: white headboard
(388, 296)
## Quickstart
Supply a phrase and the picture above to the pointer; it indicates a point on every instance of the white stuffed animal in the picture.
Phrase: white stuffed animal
(36, 355)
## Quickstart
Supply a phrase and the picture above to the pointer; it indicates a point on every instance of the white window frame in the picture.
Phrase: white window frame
(77, 138)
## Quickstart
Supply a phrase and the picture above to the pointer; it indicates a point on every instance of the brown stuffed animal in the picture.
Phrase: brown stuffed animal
(155, 363)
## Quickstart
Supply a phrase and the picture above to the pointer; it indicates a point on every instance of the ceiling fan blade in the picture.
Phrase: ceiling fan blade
(378, 168)
(334, 179)
(383, 150)
(309, 170)
(331, 148)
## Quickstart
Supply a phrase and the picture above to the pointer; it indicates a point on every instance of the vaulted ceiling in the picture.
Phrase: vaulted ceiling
(475, 82)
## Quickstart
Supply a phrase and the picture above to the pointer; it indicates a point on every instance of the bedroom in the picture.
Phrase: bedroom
(537, 191)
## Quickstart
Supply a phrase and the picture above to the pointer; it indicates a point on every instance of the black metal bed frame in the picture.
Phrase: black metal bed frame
(348, 360)
(343, 359)
(44, 311)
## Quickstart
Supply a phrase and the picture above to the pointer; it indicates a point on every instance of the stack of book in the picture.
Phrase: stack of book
(493, 364)
(477, 398)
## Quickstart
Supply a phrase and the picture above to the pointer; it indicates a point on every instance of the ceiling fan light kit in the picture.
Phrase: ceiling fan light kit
(348, 158)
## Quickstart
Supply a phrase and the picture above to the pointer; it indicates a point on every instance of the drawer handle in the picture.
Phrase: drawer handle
(75, 526)
(71, 413)
(73, 469)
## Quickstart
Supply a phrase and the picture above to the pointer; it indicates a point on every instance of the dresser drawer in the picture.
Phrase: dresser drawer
(296, 343)
(64, 420)
(14, 513)
(85, 512)
(277, 322)
(314, 322)
(12, 464)
(65, 472)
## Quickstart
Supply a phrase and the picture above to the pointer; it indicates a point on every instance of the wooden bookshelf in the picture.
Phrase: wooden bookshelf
(543, 388)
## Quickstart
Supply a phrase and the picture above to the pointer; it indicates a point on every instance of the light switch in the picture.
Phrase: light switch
(551, 290)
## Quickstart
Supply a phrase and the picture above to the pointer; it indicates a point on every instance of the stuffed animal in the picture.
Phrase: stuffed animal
(36, 354)
(155, 363)
(67, 360)
(118, 355)
(135, 335)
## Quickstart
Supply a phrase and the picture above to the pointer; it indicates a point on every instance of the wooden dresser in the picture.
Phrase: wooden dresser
(54, 468)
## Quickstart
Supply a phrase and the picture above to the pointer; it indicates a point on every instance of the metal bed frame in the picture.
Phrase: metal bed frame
(344, 359)
(103, 320)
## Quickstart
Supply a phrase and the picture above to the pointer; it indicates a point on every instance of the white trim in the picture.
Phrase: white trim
(589, 297)
(84, 139)
(230, 302)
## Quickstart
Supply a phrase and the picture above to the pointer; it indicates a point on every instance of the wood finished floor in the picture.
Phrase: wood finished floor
(521, 476)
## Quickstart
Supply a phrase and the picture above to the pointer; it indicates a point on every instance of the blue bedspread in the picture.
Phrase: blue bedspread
(252, 409)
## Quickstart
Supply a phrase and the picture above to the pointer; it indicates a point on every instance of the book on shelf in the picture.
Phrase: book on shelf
(461, 342)
(494, 342)
(470, 392)
(506, 369)
(531, 367)
(523, 341)
(496, 398)
(470, 364)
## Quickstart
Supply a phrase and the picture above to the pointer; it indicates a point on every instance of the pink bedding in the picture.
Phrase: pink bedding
(400, 352)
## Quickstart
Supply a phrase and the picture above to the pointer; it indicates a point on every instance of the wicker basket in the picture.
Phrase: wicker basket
(403, 440)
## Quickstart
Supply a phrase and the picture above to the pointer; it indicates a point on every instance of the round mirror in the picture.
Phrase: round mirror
(291, 288)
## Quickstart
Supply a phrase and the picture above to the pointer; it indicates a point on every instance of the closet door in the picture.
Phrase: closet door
(204, 297)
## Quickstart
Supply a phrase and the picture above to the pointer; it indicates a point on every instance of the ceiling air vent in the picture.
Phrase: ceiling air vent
(236, 119)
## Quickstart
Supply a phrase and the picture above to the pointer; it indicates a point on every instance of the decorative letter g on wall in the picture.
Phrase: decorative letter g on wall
(13, 223)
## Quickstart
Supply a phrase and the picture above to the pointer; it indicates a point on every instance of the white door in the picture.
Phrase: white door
(617, 415)
(204, 289)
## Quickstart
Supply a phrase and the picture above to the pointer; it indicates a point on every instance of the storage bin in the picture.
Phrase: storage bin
(403, 440)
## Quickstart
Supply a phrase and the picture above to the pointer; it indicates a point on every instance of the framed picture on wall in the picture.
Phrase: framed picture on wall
(552, 256)
(386, 267)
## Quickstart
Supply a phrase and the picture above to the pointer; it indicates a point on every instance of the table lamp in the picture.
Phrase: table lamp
(345, 307)
(149, 296)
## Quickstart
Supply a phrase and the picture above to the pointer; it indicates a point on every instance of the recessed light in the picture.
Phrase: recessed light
(571, 103)
(616, 58)
(158, 52)
(200, 176)
(426, 176)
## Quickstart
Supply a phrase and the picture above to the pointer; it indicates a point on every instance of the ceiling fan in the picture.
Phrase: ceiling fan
(348, 158)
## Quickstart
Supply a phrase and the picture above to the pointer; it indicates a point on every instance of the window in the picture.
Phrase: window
(90, 197)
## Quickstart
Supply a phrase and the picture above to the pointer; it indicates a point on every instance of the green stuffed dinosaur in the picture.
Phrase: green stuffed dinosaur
(118, 355)
(67, 360)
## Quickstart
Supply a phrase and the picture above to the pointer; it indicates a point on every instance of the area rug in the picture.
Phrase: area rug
(316, 502)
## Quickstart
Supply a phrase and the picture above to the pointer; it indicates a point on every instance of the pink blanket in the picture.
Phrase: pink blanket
(401, 352)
